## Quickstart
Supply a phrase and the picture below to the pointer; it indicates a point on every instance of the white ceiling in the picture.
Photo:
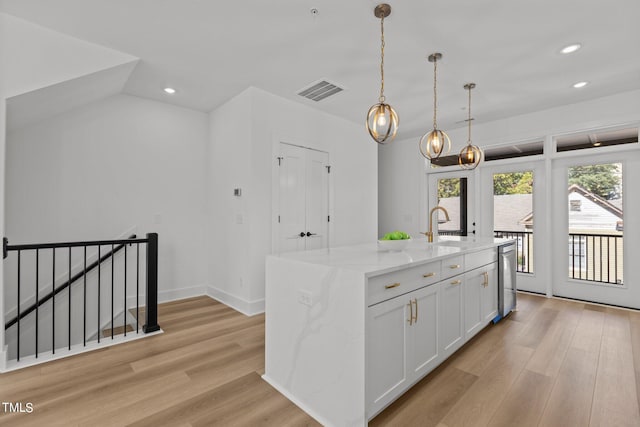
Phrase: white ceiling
(212, 50)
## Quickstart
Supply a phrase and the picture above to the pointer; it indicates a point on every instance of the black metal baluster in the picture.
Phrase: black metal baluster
(573, 256)
(124, 321)
(53, 302)
(615, 268)
(99, 268)
(601, 275)
(69, 294)
(580, 257)
(37, 294)
(18, 309)
(587, 257)
(84, 299)
(608, 261)
(113, 261)
(137, 286)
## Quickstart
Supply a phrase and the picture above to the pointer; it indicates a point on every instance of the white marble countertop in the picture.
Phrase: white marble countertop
(368, 259)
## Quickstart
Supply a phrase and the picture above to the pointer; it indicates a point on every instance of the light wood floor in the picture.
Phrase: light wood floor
(552, 363)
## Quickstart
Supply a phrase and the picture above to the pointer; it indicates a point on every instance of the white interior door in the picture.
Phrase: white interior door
(292, 170)
(317, 200)
(303, 202)
(593, 247)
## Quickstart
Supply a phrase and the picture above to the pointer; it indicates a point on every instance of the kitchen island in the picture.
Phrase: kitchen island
(350, 329)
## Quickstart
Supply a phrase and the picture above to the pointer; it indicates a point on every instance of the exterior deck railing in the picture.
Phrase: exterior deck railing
(524, 240)
(596, 257)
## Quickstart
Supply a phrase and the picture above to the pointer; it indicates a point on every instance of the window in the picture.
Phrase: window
(513, 213)
(583, 141)
(596, 223)
(452, 195)
(575, 205)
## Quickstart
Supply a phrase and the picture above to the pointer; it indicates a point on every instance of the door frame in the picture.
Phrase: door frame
(275, 186)
(627, 294)
(431, 198)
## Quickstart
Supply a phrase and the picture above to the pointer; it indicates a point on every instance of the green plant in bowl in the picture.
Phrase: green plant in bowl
(396, 235)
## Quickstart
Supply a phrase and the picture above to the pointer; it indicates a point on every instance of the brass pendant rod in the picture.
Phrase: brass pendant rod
(469, 110)
(382, 99)
(435, 92)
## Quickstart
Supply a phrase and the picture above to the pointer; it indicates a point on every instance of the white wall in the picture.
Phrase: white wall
(37, 57)
(248, 163)
(401, 187)
(117, 164)
(228, 167)
(2, 196)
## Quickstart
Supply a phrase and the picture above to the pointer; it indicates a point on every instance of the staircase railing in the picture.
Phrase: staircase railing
(151, 285)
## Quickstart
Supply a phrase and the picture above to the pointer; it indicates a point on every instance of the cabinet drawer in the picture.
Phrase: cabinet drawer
(453, 266)
(480, 258)
(381, 288)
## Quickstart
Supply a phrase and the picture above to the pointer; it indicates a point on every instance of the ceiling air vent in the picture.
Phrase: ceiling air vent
(319, 91)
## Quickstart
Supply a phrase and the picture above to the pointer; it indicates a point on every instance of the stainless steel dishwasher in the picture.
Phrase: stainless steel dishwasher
(506, 280)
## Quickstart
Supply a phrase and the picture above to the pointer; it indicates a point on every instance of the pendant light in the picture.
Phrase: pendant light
(471, 155)
(436, 142)
(382, 120)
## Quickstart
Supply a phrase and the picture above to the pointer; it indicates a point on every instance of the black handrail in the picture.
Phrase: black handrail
(77, 276)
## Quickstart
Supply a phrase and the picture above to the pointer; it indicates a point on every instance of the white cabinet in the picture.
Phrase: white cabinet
(423, 332)
(450, 324)
(480, 298)
(418, 317)
(490, 293)
(387, 350)
(402, 344)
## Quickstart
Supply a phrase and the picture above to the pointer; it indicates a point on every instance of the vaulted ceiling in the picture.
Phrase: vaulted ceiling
(211, 50)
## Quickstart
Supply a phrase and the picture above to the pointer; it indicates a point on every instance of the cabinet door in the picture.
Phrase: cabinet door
(423, 333)
(473, 287)
(386, 357)
(451, 326)
(490, 293)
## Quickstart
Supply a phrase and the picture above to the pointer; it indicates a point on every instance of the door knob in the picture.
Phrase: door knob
(301, 234)
(311, 234)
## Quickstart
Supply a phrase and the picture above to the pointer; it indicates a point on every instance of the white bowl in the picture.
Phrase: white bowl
(393, 245)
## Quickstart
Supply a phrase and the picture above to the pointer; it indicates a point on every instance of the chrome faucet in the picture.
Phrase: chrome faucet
(429, 233)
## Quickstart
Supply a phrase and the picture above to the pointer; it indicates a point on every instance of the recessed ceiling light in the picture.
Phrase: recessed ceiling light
(169, 90)
(580, 84)
(571, 48)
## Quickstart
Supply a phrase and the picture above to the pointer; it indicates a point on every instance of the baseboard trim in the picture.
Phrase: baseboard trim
(248, 308)
(297, 402)
(171, 295)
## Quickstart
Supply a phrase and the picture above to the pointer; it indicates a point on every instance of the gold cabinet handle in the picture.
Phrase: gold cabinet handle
(394, 285)
(428, 274)
(415, 320)
(454, 266)
(486, 279)
(456, 282)
(410, 320)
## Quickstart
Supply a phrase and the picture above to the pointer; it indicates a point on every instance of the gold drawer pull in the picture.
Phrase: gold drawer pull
(395, 285)
(428, 275)
(454, 266)
(456, 282)
(486, 279)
